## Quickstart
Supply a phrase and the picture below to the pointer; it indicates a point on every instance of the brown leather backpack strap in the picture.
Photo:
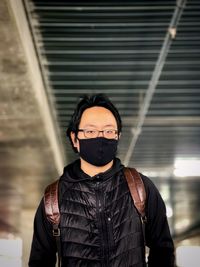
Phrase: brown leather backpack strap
(138, 193)
(53, 214)
(137, 189)
(51, 203)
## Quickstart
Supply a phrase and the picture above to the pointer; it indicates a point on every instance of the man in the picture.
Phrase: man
(100, 226)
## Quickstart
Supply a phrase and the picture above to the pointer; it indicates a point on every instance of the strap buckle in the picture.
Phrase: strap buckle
(56, 232)
(144, 219)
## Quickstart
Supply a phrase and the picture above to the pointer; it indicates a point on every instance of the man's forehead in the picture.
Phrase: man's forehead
(99, 112)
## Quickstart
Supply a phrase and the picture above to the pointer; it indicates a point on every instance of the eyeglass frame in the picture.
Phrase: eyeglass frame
(98, 131)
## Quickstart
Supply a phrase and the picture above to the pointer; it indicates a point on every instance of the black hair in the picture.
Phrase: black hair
(87, 101)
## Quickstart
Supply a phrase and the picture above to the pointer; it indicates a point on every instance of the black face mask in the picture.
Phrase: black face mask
(98, 151)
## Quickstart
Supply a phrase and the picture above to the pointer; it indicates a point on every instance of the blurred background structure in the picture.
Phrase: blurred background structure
(145, 55)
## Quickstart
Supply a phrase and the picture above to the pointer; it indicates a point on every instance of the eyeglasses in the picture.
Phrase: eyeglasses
(92, 133)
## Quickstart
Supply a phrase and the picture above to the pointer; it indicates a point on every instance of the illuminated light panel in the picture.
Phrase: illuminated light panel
(11, 252)
(169, 211)
(188, 256)
(184, 167)
(182, 224)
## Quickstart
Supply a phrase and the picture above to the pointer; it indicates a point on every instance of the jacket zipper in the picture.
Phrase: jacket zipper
(103, 227)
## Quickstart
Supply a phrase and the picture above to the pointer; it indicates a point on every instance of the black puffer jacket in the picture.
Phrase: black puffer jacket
(100, 226)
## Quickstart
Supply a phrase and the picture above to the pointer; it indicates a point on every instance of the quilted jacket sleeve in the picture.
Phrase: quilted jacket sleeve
(43, 249)
(158, 237)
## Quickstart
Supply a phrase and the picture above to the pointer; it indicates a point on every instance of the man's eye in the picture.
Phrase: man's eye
(90, 131)
(109, 131)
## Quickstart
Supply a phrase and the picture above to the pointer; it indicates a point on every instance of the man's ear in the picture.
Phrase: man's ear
(74, 139)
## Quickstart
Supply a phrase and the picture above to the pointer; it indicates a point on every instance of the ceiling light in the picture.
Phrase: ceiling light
(169, 211)
(187, 167)
(188, 256)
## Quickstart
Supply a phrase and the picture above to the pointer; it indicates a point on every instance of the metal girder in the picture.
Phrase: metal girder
(170, 35)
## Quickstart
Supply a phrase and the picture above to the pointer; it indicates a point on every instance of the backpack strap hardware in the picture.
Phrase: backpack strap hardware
(52, 211)
(144, 219)
(56, 230)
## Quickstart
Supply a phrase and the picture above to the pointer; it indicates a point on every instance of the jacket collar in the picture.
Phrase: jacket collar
(73, 172)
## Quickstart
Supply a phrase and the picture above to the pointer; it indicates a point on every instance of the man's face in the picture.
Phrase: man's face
(95, 118)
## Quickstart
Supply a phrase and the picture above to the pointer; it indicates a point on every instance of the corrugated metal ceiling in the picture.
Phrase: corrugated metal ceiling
(124, 49)
(113, 47)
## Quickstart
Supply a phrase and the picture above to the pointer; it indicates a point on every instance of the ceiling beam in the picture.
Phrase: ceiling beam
(165, 121)
(38, 84)
(171, 32)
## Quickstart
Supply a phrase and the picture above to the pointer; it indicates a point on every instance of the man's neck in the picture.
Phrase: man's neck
(92, 170)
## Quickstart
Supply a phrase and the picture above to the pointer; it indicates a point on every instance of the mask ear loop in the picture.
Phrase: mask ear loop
(76, 138)
(118, 136)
